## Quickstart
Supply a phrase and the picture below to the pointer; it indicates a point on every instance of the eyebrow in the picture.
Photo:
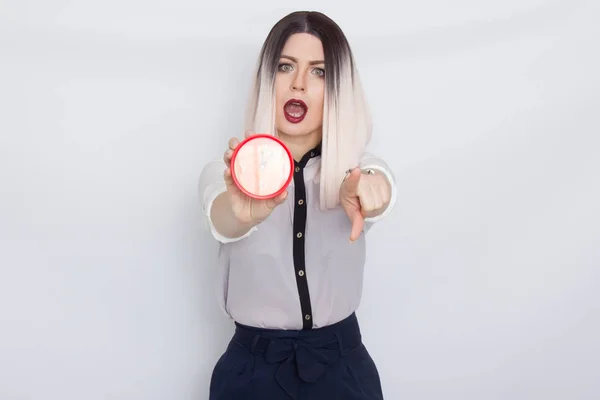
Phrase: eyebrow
(294, 59)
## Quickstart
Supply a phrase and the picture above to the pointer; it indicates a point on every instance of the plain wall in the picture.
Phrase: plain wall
(483, 284)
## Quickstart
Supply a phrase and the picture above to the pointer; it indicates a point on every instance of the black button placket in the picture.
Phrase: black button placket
(300, 213)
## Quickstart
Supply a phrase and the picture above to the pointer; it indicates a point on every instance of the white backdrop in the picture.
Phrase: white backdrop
(483, 283)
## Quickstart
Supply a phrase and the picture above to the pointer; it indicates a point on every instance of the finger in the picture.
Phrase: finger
(358, 223)
(279, 199)
(365, 196)
(368, 197)
(227, 156)
(227, 176)
(381, 194)
(350, 185)
(233, 142)
(373, 204)
(385, 194)
(376, 199)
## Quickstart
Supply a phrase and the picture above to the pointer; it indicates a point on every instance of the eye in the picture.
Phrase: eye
(284, 67)
(319, 72)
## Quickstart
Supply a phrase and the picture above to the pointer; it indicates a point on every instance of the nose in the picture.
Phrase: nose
(298, 83)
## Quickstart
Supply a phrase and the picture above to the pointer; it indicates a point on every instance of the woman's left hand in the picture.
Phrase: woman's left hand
(363, 196)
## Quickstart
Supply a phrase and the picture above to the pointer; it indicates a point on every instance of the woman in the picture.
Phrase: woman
(292, 267)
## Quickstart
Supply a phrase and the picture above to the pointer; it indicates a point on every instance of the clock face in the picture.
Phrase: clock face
(262, 166)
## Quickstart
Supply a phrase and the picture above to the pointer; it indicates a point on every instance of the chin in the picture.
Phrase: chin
(295, 131)
(300, 129)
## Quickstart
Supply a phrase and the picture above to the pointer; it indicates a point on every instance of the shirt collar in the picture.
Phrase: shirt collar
(310, 162)
(312, 153)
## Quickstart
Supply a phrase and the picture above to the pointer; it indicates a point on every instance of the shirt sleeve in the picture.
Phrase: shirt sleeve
(369, 160)
(210, 185)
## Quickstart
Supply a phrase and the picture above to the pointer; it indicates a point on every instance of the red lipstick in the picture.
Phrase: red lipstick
(295, 110)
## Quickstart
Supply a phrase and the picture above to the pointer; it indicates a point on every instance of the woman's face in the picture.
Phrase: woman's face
(300, 87)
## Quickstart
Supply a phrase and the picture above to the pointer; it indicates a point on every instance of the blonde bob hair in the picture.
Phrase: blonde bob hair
(346, 119)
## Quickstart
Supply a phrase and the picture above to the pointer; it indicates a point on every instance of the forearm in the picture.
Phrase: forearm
(224, 220)
(216, 207)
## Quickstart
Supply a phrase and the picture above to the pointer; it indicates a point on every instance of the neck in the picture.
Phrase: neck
(300, 145)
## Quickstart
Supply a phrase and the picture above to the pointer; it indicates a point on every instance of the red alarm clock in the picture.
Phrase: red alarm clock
(262, 166)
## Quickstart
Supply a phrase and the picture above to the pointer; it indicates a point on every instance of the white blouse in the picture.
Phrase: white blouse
(298, 268)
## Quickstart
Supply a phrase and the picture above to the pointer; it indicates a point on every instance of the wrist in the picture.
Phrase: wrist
(241, 218)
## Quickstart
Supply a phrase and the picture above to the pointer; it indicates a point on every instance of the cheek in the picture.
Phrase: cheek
(318, 98)
(279, 100)
(319, 102)
(278, 92)
(280, 89)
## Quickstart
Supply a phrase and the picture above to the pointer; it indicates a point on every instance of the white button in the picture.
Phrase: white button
(301, 273)
(307, 317)
(299, 235)
(300, 201)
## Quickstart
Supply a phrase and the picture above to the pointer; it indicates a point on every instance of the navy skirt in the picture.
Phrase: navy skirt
(328, 363)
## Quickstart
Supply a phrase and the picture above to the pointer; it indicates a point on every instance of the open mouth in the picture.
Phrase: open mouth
(295, 110)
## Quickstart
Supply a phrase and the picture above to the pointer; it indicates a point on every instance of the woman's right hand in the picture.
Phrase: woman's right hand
(246, 210)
